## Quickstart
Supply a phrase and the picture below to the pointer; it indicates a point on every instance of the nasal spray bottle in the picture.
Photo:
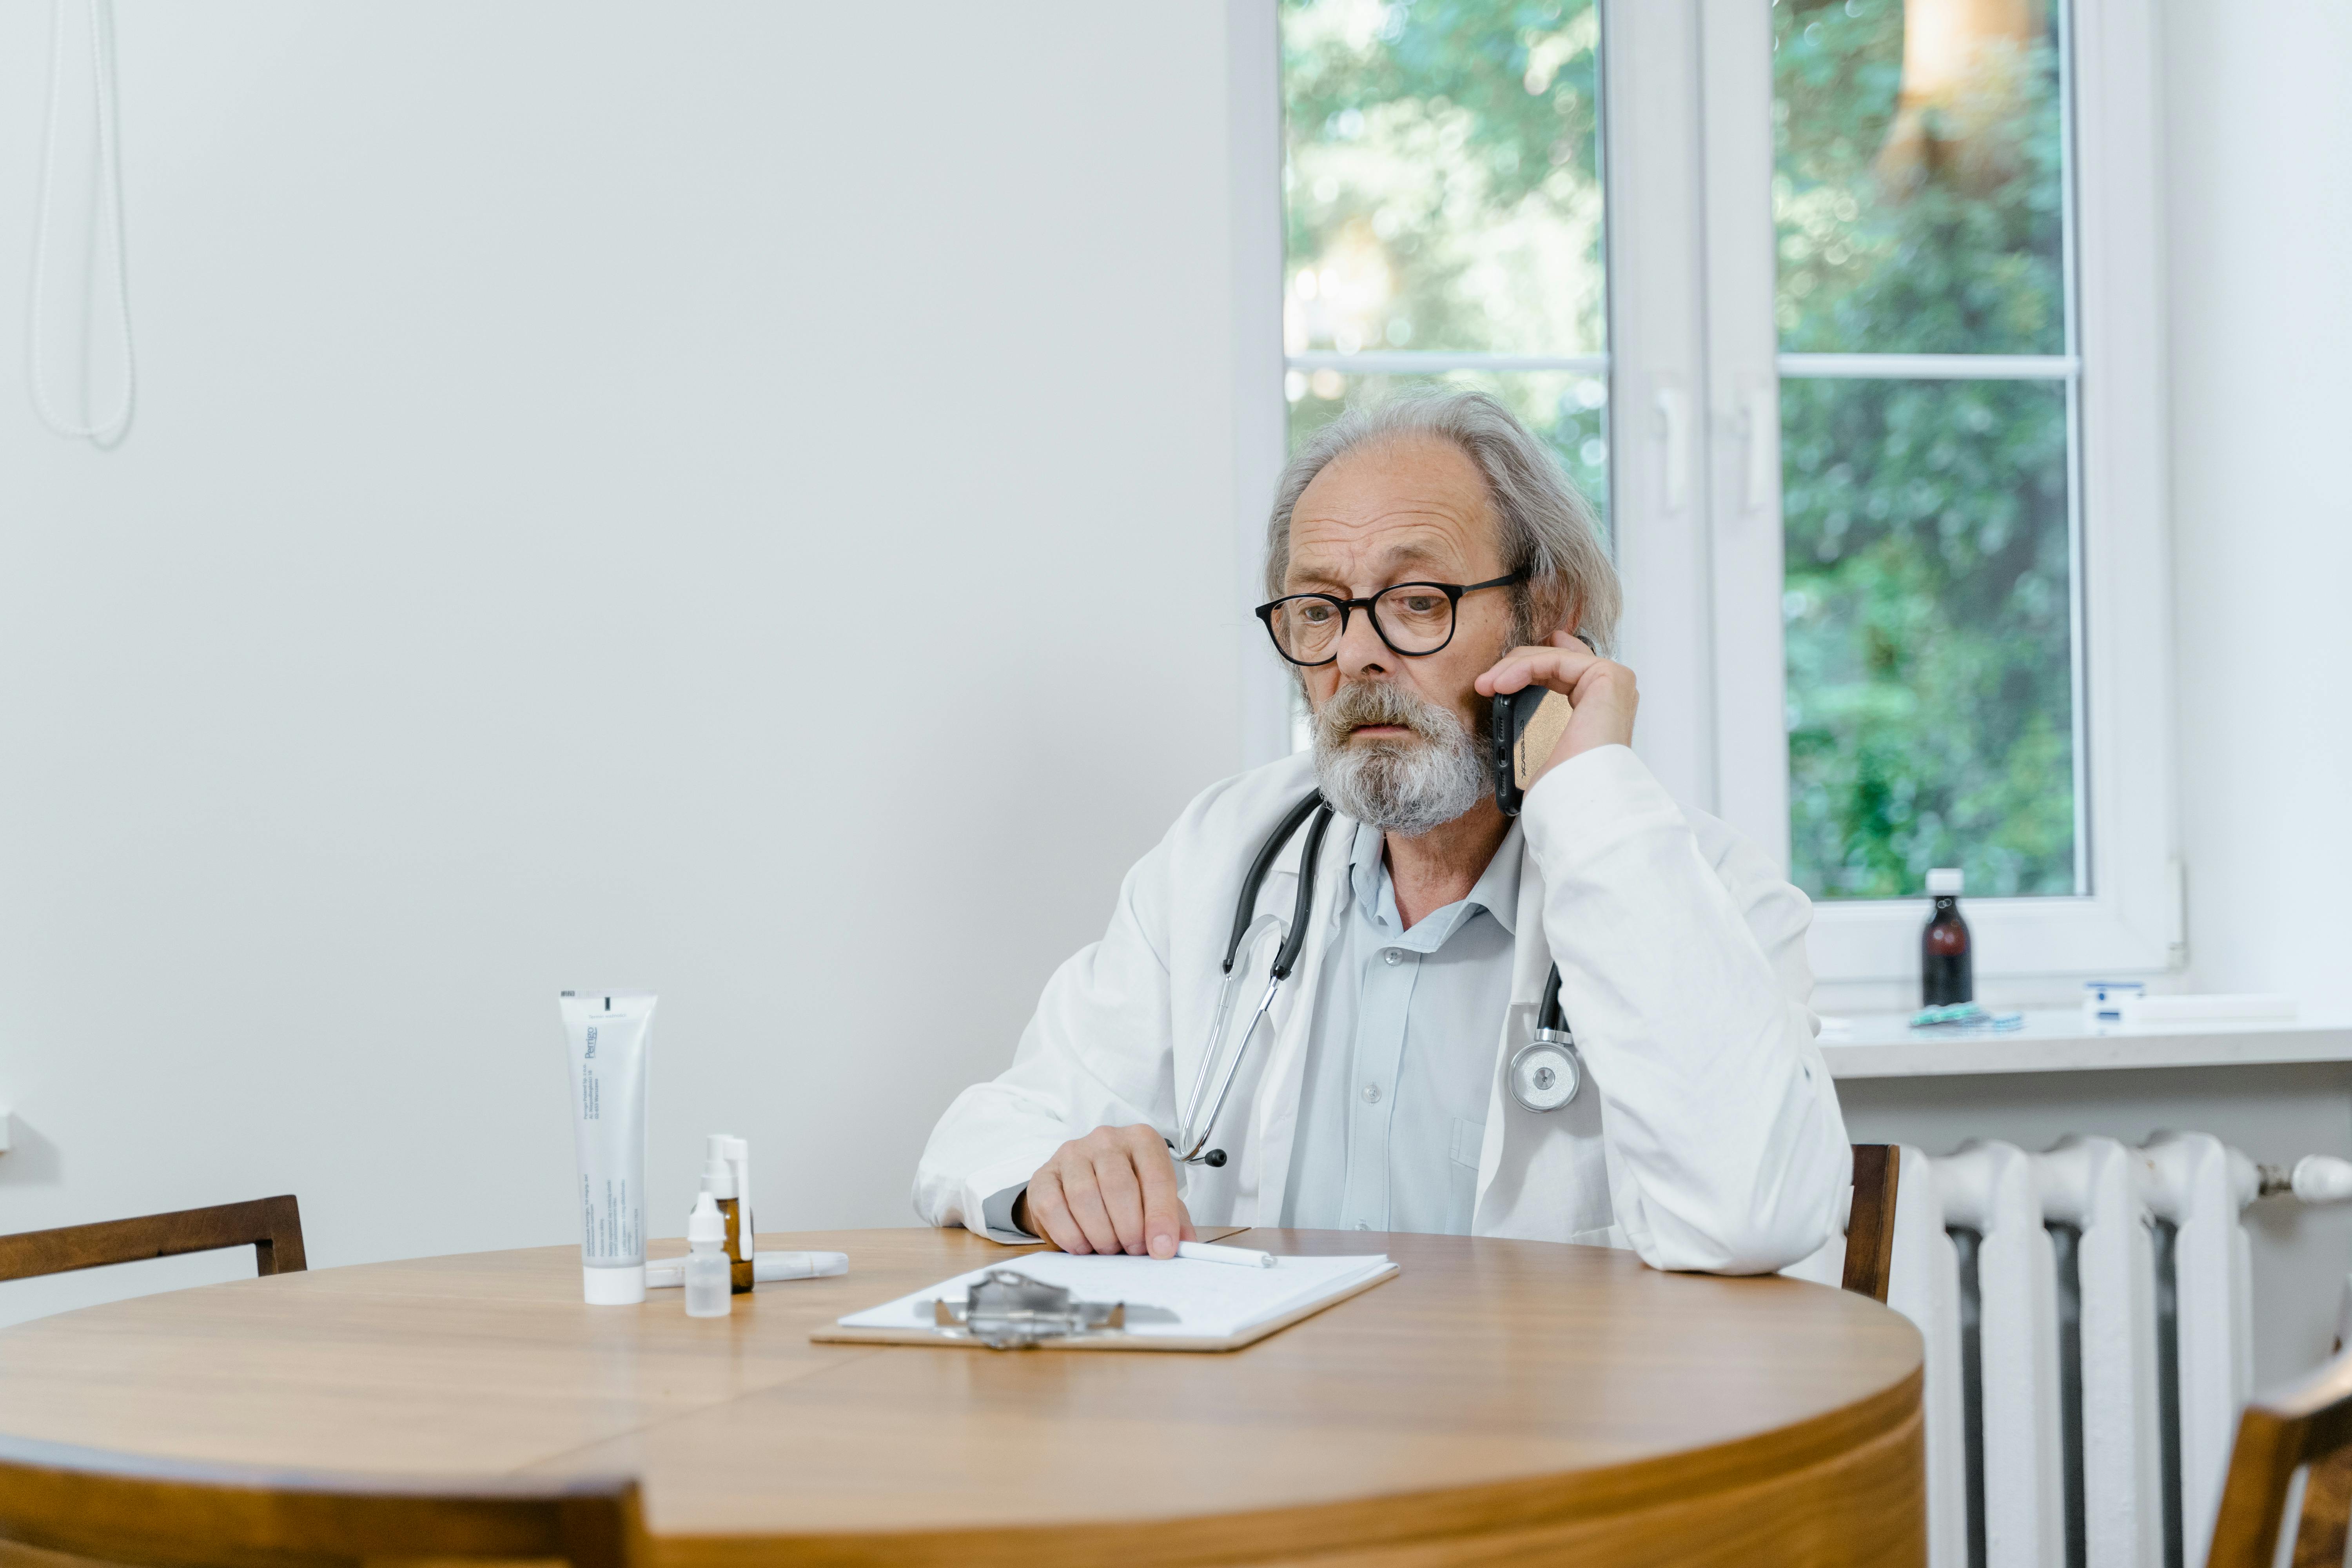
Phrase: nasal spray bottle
(707, 1293)
(721, 1181)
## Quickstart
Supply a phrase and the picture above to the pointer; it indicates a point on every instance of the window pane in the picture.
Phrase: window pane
(1441, 176)
(1567, 410)
(1929, 615)
(1919, 182)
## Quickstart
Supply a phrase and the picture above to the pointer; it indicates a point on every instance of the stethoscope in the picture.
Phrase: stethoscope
(1544, 1074)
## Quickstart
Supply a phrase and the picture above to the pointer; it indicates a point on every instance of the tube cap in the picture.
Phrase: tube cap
(623, 1287)
(1944, 881)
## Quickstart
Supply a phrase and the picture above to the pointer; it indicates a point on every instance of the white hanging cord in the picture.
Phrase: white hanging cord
(108, 195)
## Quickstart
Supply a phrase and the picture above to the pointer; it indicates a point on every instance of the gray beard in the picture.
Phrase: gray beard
(1405, 786)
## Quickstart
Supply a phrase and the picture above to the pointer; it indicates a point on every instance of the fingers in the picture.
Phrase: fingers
(1113, 1191)
(1603, 691)
(1122, 1198)
(1165, 1223)
(1605, 679)
(1558, 667)
(1083, 1194)
(1049, 1213)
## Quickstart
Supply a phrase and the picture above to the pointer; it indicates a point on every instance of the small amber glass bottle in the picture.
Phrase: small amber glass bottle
(738, 1268)
(719, 1181)
(1946, 972)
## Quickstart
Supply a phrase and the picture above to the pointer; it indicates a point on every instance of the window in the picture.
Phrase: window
(1442, 212)
(1926, 433)
(1867, 382)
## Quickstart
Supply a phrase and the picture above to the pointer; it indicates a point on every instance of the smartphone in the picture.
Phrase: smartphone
(1527, 726)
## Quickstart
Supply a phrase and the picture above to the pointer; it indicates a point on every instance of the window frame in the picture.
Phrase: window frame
(1694, 373)
(2127, 923)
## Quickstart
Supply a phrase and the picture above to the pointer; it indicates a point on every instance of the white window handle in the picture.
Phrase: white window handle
(1674, 441)
(1763, 414)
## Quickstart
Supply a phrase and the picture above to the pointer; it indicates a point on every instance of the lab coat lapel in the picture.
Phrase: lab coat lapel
(1531, 967)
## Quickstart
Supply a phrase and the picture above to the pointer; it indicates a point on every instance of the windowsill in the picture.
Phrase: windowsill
(2119, 935)
(2061, 1040)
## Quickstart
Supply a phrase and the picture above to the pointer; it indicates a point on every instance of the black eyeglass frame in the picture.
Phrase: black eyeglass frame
(1453, 591)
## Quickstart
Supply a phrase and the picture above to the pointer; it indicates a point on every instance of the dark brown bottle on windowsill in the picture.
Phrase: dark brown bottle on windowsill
(1946, 974)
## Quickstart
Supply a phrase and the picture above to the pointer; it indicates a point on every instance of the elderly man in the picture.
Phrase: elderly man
(1424, 556)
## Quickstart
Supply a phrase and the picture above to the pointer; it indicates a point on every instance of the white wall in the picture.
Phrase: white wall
(2259, 152)
(424, 649)
(735, 500)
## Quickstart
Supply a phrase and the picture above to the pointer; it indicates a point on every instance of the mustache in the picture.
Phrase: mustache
(1365, 702)
(1403, 786)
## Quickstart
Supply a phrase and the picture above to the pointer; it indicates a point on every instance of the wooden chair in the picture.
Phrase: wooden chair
(2309, 1423)
(120, 1509)
(271, 1227)
(1870, 1224)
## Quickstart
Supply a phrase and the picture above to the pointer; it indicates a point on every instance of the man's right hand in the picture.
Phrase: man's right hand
(1113, 1190)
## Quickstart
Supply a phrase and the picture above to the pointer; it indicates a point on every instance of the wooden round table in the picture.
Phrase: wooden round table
(1498, 1400)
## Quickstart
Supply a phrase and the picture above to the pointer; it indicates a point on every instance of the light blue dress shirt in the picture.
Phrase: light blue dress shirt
(1401, 1060)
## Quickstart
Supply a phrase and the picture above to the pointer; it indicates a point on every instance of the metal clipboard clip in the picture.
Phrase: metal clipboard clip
(1008, 1311)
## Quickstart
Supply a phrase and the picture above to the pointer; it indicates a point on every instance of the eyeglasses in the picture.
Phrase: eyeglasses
(1414, 619)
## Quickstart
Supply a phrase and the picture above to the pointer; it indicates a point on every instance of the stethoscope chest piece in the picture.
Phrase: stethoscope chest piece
(1544, 1074)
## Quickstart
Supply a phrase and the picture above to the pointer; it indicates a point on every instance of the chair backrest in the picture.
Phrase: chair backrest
(2309, 1423)
(1870, 1224)
(271, 1227)
(121, 1508)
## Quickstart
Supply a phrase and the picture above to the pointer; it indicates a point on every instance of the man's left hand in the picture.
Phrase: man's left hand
(1601, 692)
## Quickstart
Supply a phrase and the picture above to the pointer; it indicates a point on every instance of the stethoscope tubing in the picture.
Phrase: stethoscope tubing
(1285, 960)
(1194, 1156)
(1246, 908)
(1191, 1148)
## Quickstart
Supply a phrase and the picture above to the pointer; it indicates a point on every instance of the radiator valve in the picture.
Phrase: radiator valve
(2315, 1179)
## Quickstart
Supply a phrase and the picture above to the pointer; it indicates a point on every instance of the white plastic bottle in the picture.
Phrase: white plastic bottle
(710, 1293)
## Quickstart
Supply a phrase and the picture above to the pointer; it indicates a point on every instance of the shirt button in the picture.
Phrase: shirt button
(1371, 1094)
(1393, 956)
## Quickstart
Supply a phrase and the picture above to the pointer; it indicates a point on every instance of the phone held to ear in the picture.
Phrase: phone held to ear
(1528, 725)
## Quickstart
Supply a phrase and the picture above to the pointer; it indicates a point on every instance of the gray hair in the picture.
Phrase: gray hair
(1547, 527)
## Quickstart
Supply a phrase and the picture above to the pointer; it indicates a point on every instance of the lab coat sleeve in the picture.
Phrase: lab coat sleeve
(1096, 1054)
(1683, 977)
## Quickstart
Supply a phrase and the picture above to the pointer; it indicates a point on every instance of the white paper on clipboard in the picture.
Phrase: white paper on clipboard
(1188, 1299)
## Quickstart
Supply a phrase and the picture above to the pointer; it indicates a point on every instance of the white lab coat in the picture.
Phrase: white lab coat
(1707, 1135)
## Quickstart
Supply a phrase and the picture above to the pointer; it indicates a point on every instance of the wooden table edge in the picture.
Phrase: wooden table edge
(1466, 1513)
(1858, 1465)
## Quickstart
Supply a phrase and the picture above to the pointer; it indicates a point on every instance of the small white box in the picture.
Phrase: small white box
(2102, 1000)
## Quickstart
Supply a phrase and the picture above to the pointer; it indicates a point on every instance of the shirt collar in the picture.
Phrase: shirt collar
(1496, 890)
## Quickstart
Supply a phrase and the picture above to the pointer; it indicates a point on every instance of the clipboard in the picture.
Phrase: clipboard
(1006, 1307)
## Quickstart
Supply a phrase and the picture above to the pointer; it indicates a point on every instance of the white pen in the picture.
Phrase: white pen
(1208, 1252)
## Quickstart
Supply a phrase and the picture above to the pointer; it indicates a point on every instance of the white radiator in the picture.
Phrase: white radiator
(2087, 1314)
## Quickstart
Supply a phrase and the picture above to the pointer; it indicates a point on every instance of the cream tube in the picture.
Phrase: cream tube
(606, 1036)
